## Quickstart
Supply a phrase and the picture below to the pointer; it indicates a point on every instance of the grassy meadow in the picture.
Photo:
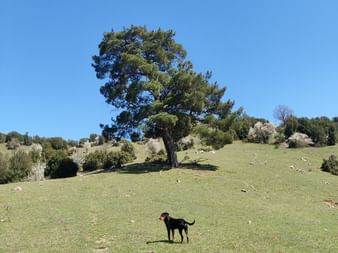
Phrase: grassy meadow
(244, 198)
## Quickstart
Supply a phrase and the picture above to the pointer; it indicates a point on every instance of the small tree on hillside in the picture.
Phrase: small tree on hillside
(291, 126)
(331, 140)
(154, 88)
(282, 113)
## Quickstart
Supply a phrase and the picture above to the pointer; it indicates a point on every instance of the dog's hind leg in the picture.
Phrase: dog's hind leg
(186, 232)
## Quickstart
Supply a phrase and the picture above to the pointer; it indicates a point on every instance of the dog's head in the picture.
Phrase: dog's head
(164, 215)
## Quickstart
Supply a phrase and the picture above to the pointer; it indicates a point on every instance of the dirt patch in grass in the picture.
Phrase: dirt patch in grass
(331, 203)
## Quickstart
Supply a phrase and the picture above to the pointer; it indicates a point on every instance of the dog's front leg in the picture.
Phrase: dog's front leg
(172, 231)
(168, 230)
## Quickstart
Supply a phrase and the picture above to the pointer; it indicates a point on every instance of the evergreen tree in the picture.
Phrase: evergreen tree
(331, 140)
(155, 89)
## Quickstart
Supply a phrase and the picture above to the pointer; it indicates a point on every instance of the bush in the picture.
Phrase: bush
(242, 125)
(57, 143)
(262, 133)
(54, 161)
(14, 135)
(27, 140)
(331, 140)
(72, 143)
(94, 161)
(2, 138)
(160, 157)
(13, 144)
(60, 166)
(4, 169)
(291, 126)
(184, 144)
(279, 138)
(83, 141)
(16, 168)
(92, 137)
(242, 129)
(20, 165)
(101, 140)
(117, 159)
(128, 147)
(330, 165)
(214, 137)
(35, 155)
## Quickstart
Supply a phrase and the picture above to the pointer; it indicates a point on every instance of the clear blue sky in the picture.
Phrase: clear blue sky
(267, 52)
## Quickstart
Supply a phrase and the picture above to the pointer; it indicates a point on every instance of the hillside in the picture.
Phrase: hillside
(251, 198)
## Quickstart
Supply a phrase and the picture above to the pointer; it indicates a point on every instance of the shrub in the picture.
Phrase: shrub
(4, 169)
(241, 129)
(279, 138)
(94, 161)
(214, 137)
(15, 168)
(13, 144)
(35, 155)
(318, 135)
(160, 157)
(72, 143)
(117, 159)
(101, 140)
(242, 125)
(83, 141)
(14, 135)
(27, 140)
(60, 166)
(184, 144)
(330, 165)
(291, 126)
(57, 143)
(262, 133)
(20, 166)
(128, 147)
(92, 137)
(2, 138)
(54, 161)
(331, 140)
(48, 153)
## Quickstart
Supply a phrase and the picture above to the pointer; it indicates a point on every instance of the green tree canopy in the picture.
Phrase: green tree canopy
(156, 90)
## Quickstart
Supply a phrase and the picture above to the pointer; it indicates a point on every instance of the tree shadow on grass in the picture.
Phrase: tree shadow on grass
(199, 166)
(139, 168)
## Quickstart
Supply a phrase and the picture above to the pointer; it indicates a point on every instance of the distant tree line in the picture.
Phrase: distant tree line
(321, 130)
(54, 152)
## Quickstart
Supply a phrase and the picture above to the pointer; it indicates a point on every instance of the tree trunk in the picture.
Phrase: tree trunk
(170, 148)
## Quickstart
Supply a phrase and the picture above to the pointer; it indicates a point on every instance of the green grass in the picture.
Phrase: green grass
(248, 200)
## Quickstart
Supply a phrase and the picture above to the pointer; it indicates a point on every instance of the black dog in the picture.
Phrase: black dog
(172, 224)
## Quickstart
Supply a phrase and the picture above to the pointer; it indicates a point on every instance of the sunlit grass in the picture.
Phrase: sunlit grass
(251, 198)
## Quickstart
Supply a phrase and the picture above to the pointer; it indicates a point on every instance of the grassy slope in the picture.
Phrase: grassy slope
(253, 202)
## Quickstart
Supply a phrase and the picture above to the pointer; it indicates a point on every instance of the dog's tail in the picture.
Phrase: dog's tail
(192, 223)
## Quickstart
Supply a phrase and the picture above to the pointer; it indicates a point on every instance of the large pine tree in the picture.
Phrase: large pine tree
(157, 91)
